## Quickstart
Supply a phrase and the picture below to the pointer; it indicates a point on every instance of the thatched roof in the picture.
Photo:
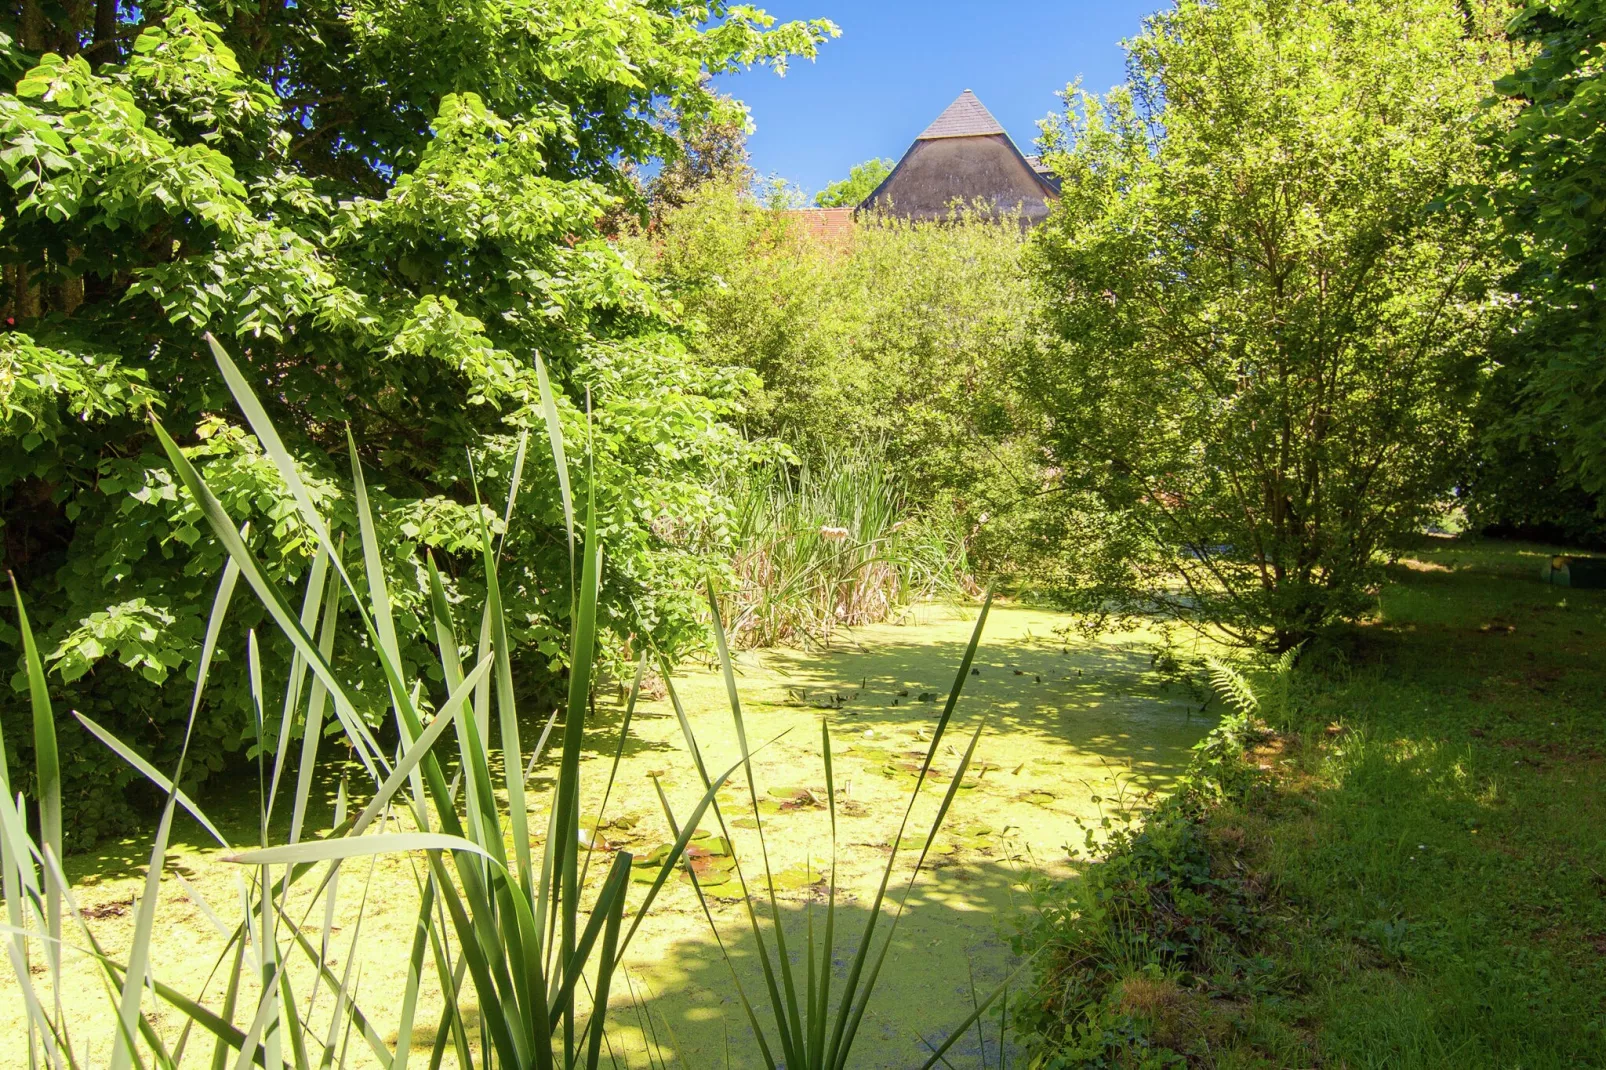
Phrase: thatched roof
(967, 158)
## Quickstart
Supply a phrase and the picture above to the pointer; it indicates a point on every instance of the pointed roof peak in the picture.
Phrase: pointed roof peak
(965, 117)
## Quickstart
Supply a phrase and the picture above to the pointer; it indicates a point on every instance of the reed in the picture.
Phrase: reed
(833, 542)
(510, 921)
(813, 1024)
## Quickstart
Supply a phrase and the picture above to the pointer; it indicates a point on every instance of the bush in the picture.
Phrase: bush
(1269, 330)
(388, 216)
(898, 335)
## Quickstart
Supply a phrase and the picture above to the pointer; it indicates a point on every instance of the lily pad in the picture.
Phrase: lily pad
(797, 877)
(787, 800)
(730, 889)
(702, 843)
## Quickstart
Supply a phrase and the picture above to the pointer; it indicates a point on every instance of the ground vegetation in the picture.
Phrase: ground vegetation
(1400, 863)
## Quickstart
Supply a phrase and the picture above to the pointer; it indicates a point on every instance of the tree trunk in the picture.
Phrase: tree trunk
(104, 49)
(31, 27)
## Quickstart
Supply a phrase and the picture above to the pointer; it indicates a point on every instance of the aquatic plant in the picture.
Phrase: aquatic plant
(494, 914)
(833, 541)
(815, 1028)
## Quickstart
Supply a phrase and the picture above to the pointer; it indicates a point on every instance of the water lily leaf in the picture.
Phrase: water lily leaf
(796, 877)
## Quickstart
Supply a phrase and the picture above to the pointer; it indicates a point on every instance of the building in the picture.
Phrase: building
(965, 157)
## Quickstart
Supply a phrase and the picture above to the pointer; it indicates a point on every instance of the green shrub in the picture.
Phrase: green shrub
(900, 335)
(388, 231)
(1268, 327)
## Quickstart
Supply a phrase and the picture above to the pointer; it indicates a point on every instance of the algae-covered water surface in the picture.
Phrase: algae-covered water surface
(1071, 727)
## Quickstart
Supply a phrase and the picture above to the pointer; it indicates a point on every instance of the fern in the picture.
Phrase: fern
(1233, 687)
(1283, 676)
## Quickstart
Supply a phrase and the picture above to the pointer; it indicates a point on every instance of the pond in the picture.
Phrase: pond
(1070, 727)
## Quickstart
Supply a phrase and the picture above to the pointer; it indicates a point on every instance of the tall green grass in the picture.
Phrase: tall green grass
(496, 915)
(504, 921)
(832, 542)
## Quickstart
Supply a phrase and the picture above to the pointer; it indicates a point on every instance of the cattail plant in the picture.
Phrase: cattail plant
(832, 542)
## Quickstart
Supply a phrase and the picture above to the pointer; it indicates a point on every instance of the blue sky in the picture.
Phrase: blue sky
(898, 63)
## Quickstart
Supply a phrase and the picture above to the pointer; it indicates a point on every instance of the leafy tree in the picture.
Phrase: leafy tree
(385, 211)
(709, 152)
(1268, 331)
(862, 180)
(1551, 195)
(895, 340)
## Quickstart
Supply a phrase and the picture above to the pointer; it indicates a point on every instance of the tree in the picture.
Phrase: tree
(385, 211)
(1550, 195)
(893, 342)
(708, 152)
(1269, 331)
(850, 192)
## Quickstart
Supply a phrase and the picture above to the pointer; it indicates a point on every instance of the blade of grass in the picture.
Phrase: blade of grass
(312, 728)
(582, 647)
(384, 622)
(605, 962)
(367, 748)
(868, 988)
(554, 430)
(618, 756)
(719, 938)
(47, 771)
(788, 1016)
(841, 1039)
(747, 900)
(356, 847)
(123, 1054)
(154, 775)
(297, 680)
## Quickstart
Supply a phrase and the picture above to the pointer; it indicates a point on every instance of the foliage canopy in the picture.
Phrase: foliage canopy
(1269, 331)
(1550, 195)
(862, 180)
(386, 210)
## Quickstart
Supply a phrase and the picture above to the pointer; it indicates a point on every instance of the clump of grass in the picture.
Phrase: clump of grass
(833, 542)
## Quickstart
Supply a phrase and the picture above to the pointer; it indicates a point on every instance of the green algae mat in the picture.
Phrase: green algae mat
(1072, 729)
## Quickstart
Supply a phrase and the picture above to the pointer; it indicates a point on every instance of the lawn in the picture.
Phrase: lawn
(1423, 860)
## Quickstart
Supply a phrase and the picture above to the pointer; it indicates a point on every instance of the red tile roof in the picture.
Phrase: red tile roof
(827, 224)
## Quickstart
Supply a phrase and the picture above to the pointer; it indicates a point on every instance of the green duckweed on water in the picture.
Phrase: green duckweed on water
(1067, 723)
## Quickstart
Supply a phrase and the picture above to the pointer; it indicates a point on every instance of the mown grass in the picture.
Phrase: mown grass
(1415, 876)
